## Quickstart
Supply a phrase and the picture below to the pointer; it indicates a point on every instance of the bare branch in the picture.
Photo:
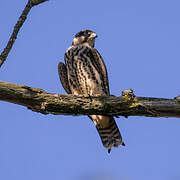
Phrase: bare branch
(36, 2)
(17, 27)
(125, 105)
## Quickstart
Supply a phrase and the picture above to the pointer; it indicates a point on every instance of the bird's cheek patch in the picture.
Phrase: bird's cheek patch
(76, 41)
(82, 38)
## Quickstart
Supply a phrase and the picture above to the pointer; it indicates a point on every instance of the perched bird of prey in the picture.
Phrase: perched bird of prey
(84, 73)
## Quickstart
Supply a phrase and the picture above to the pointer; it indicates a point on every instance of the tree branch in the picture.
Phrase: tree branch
(17, 27)
(126, 105)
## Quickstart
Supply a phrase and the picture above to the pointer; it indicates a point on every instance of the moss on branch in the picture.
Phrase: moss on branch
(126, 105)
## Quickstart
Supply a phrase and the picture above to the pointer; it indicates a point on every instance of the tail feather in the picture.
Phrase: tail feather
(108, 131)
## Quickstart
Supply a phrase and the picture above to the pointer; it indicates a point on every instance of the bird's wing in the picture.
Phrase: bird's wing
(103, 70)
(62, 71)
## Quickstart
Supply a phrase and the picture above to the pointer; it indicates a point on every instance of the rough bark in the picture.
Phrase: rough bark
(126, 105)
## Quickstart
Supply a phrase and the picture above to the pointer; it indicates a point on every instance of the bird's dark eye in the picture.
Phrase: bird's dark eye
(86, 33)
(89, 33)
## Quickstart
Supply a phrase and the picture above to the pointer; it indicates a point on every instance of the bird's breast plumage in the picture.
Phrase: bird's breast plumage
(85, 73)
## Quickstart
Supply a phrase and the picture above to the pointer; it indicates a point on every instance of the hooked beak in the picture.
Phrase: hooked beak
(93, 36)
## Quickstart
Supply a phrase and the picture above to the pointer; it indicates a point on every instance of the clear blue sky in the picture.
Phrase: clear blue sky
(140, 43)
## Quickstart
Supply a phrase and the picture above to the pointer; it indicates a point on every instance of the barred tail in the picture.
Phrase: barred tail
(108, 131)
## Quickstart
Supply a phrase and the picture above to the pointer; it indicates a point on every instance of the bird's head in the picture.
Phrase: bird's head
(86, 37)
